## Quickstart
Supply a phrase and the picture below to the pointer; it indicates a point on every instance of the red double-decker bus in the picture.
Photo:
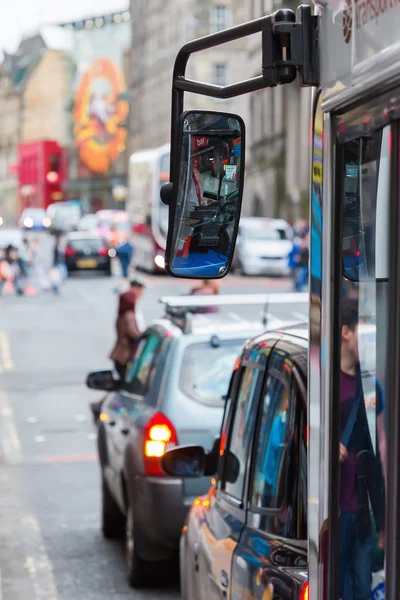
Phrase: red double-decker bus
(41, 173)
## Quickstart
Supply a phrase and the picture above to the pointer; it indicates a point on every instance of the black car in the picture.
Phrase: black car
(87, 251)
(248, 536)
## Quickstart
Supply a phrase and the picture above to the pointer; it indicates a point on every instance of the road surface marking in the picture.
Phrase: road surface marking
(37, 561)
(6, 362)
(10, 444)
(69, 458)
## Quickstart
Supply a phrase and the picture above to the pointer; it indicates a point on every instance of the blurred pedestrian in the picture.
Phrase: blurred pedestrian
(124, 253)
(128, 331)
(24, 258)
(6, 270)
(207, 287)
(38, 269)
(302, 263)
(58, 272)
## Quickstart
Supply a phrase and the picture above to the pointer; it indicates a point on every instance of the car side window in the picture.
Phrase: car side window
(241, 431)
(271, 446)
(139, 368)
(279, 482)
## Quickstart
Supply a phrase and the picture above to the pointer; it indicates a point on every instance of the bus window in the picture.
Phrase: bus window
(365, 179)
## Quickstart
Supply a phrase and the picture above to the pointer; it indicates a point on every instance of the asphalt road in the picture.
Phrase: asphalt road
(50, 541)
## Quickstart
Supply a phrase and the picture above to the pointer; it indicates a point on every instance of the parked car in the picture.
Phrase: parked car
(173, 392)
(87, 251)
(263, 246)
(34, 219)
(248, 535)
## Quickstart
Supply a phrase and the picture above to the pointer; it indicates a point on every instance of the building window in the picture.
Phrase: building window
(219, 18)
(220, 74)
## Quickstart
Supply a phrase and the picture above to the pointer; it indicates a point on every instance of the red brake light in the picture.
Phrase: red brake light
(103, 251)
(69, 251)
(159, 434)
(304, 592)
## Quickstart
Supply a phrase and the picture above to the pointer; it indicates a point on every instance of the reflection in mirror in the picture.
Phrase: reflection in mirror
(208, 193)
(184, 461)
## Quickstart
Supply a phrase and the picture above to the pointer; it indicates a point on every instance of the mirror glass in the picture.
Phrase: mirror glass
(102, 380)
(185, 461)
(207, 191)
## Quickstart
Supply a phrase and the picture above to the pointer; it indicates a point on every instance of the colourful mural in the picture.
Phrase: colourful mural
(100, 113)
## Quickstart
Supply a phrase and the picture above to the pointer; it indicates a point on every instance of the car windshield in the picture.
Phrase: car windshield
(69, 211)
(82, 244)
(206, 370)
(268, 234)
(38, 213)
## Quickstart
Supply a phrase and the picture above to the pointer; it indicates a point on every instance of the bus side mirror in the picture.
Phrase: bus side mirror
(206, 195)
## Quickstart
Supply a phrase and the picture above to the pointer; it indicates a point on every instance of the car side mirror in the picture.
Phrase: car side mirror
(185, 461)
(102, 380)
(206, 195)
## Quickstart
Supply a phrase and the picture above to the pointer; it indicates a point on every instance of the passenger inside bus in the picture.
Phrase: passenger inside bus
(363, 363)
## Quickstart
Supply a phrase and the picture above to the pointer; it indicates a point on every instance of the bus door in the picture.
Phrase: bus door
(360, 299)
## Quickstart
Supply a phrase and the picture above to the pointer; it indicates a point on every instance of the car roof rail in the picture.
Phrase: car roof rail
(181, 309)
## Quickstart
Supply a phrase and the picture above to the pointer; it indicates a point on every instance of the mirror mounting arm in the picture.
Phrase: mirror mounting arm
(289, 48)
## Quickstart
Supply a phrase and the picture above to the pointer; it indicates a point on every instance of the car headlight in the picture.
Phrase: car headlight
(28, 222)
(159, 261)
(112, 253)
(46, 222)
(1, 221)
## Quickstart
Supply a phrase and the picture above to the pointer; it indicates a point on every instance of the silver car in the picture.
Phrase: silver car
(263, 246)
(173, 393)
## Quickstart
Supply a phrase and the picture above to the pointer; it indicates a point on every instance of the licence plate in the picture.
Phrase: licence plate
(86, 264)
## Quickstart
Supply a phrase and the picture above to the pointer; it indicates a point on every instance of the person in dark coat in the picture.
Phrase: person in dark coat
(127, 328)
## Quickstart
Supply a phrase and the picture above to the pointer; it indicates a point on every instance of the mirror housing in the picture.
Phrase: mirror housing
(206, 195)
(185, 461)
(102, 380)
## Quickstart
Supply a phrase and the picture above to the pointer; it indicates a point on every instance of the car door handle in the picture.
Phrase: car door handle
(224, 579)
(125, 431)
(224, 584)
(111, 423)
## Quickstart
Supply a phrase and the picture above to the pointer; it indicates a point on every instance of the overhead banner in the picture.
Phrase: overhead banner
(100, 115)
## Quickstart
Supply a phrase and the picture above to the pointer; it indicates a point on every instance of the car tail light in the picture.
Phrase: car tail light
(304, 592)
(159, 435)
(103, 251)
(69, 251)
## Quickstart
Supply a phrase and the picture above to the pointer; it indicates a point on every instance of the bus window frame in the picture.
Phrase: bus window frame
(333, 286)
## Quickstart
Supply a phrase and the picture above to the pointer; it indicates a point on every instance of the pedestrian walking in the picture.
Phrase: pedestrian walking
(127, 329)
(124, 254)
(58, 272)
(6, 270)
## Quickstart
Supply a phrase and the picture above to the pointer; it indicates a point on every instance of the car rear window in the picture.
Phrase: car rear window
(81, 245)
(207, 369)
